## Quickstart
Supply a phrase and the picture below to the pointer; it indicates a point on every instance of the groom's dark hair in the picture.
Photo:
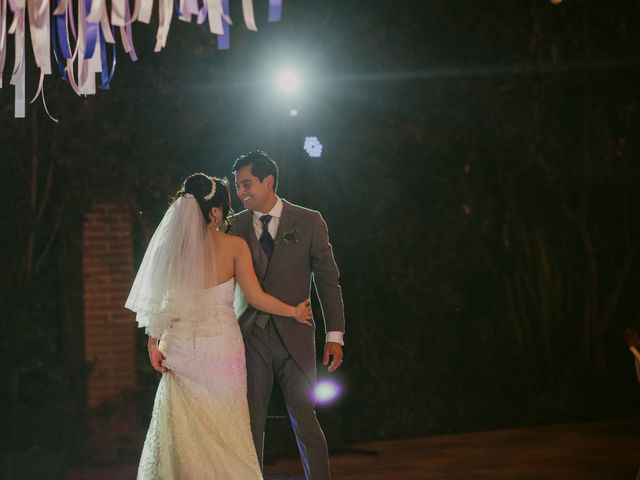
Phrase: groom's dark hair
(262, 165)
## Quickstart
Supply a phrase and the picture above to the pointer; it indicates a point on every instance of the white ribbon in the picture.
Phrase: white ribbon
(188, 8)
(247, 11)
(215, 16)
(39, 25)
(117, 12)
(104, 25)
(143, 10)
(86, 77)
(18, 76)
(3, 36)
(165, 11)
(185, 16)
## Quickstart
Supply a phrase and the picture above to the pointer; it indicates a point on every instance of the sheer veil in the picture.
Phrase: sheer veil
(177, 268)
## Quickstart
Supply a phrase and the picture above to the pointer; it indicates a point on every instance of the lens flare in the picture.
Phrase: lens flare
(326, 391)
(313, 147)
(289, 81)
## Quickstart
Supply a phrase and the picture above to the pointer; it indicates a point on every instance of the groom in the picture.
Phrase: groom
(290, 246)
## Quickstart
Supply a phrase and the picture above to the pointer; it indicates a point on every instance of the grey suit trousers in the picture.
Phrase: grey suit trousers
(268, 358)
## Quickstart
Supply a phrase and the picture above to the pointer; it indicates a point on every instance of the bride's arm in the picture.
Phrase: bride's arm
(155, 355)
(246, 276)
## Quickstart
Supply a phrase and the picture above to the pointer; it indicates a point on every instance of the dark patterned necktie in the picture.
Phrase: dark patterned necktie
(266, 240)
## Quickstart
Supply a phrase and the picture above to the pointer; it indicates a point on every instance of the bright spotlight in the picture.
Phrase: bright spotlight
(326, 391)
(289, 81)
(313, 147)
(293, 112)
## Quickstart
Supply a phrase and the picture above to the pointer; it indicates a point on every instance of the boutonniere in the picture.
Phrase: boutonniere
(290, 236)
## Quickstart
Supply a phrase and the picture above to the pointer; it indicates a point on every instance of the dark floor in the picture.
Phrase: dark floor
(591, 451)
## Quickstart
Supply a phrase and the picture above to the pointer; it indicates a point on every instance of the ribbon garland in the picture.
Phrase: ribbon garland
(80, 50)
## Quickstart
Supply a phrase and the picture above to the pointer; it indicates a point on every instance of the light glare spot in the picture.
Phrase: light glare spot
(313, 147)
(326, 391)
(289, 81)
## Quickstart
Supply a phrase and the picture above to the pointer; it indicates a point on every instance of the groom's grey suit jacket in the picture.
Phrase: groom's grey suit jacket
(302, 252)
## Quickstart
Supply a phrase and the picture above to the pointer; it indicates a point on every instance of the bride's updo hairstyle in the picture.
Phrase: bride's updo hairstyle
(200, 186)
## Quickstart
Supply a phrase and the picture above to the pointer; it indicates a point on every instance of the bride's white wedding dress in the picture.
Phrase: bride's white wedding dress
(200, 424)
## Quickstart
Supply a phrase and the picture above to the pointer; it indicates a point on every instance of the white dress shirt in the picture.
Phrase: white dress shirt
(276, 213)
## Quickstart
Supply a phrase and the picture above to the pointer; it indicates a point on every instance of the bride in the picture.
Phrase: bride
(183, 297)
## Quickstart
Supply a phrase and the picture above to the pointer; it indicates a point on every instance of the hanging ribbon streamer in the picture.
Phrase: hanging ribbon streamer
(19, 70)
(92, 10)
(215, 16)
(224, 40)
(80, 49)
(126, 35)
(202, 13)
(249, 18)
(3, 36)
(275, 10)
(186, 9)
(107, 74)
(165, 12)
(118, 10)
(61, 36)
(39, 25)
(87, 38)
(143, 10)
(190, 8)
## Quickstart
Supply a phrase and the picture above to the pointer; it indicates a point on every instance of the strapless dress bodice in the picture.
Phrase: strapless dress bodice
(221, 318)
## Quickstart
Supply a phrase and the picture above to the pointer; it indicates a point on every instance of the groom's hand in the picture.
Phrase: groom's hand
(333, 350)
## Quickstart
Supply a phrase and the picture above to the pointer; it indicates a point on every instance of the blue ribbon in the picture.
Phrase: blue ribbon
(224, 40)
(60, 42)
(275, 10)
(91, 33)
(106, 74)
(63, 36)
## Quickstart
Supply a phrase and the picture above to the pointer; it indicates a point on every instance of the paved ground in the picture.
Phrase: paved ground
(592, 451)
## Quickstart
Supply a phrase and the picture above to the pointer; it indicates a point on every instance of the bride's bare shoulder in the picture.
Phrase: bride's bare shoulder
(232, 242)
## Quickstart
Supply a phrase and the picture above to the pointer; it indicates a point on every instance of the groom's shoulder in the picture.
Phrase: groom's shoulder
(300, 210)
(238, 220)
(242, 214)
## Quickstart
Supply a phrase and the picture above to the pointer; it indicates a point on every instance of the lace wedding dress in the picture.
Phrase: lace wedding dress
(200, 424)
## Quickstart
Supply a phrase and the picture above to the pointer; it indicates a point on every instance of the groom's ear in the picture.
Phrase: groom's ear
(270, 181)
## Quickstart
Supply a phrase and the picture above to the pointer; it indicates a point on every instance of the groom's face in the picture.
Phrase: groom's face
(254, 194)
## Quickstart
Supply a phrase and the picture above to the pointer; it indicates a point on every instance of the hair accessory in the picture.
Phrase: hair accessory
(213, 190)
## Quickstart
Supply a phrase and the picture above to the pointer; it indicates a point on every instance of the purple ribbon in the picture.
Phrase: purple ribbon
(127, 31)
(202, 14)
(224, 40)
(191, 6)
(12, 6)
(90, 33)
(275, 10)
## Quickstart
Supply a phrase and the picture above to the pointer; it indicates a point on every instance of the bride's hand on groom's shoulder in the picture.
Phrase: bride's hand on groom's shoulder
(303, 312)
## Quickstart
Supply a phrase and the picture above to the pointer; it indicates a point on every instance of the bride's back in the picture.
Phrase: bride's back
(226, 250)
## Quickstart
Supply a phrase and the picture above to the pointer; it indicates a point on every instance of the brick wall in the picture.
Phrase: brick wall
(109, 329)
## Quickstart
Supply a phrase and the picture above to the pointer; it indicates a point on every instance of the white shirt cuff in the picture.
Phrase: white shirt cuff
(337, 337)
